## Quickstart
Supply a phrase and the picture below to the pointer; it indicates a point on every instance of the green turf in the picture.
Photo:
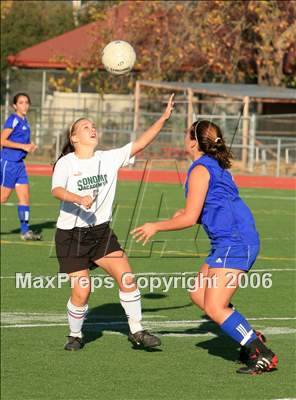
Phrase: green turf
(195, 361)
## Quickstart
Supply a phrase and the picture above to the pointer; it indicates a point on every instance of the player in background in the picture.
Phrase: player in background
(212, 198)
(85, 182)
(15, 145)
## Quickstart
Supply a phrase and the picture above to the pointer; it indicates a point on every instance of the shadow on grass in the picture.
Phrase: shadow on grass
(219, 345)
(34, 227)
(111, 317)
(108, 317)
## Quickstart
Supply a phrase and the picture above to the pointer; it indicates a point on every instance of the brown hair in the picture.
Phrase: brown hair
(211, 142)
(68, 146)
(18, 95)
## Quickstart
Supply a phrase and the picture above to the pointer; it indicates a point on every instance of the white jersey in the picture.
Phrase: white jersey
(96, 177)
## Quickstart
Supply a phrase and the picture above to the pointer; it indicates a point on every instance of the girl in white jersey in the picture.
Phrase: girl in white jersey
(85, 182)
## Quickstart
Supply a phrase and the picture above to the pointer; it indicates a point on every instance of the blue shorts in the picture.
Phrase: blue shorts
(13, 173)
(236, 257)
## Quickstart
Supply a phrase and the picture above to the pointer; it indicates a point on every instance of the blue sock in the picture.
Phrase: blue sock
(237, 327)
(23, 214)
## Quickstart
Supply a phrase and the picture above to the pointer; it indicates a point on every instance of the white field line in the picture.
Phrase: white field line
(155, 325)
(169, 210)
(162, 273)
(266, 331)
(11, 318)
(244, 196)
(22, 317)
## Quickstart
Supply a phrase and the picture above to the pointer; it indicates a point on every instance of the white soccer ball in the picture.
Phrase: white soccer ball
(118, 57)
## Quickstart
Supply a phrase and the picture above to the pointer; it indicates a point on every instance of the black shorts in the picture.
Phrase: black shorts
(78, 248)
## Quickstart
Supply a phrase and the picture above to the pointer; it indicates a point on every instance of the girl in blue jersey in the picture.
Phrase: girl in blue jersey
(15, 145)
(213, 200)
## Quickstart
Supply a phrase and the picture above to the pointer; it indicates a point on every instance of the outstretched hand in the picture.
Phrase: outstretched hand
(169, 107)
(144, 232)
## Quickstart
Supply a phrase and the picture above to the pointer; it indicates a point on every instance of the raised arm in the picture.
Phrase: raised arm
(198, 187)
(148, 136)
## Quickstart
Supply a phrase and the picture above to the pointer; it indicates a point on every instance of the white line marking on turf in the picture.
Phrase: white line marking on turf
(244, 196)
(21, 318)
(16, 317)
(267, 330)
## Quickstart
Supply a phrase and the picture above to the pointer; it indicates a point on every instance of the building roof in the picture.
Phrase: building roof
(236, 91)
(73, 47)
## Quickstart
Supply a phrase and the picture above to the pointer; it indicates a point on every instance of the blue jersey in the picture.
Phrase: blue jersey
(226, 219)
(21, 133)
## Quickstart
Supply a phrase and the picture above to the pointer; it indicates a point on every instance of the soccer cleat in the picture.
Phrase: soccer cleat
(259, 363)
(144, 339)
(30, 235)
(74, 343)
(245, 353)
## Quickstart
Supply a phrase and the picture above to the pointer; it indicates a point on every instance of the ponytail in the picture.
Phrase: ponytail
(211, 142)
(68, 146)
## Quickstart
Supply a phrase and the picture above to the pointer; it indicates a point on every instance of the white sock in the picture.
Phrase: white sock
(76, 316)
(131, 303)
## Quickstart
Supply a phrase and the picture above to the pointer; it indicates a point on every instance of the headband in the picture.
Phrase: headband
(195, 129)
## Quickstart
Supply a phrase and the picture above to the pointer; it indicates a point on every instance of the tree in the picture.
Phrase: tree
(226, 41)
(25, 23)
(274, 29)
(223, 41)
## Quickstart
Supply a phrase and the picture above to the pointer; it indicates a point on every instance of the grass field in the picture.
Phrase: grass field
(195, 360)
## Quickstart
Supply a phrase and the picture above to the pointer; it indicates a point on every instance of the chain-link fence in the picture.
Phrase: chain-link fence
(271, 144)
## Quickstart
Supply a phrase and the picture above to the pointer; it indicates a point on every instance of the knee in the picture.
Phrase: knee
(23, 195)
(80, 296)
(127, 282)
(80, 299)
(197, 298)
(4, 198)
(24, 201)
(211, 310)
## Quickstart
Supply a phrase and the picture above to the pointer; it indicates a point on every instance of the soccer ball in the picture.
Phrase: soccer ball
(118, 57)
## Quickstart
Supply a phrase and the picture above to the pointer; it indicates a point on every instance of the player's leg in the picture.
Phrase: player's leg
(224, 283)
(23, 209)
(116, 265)
(77, 307)
(5, 193)
(7, 180)
(23, 193)
(197, 294)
